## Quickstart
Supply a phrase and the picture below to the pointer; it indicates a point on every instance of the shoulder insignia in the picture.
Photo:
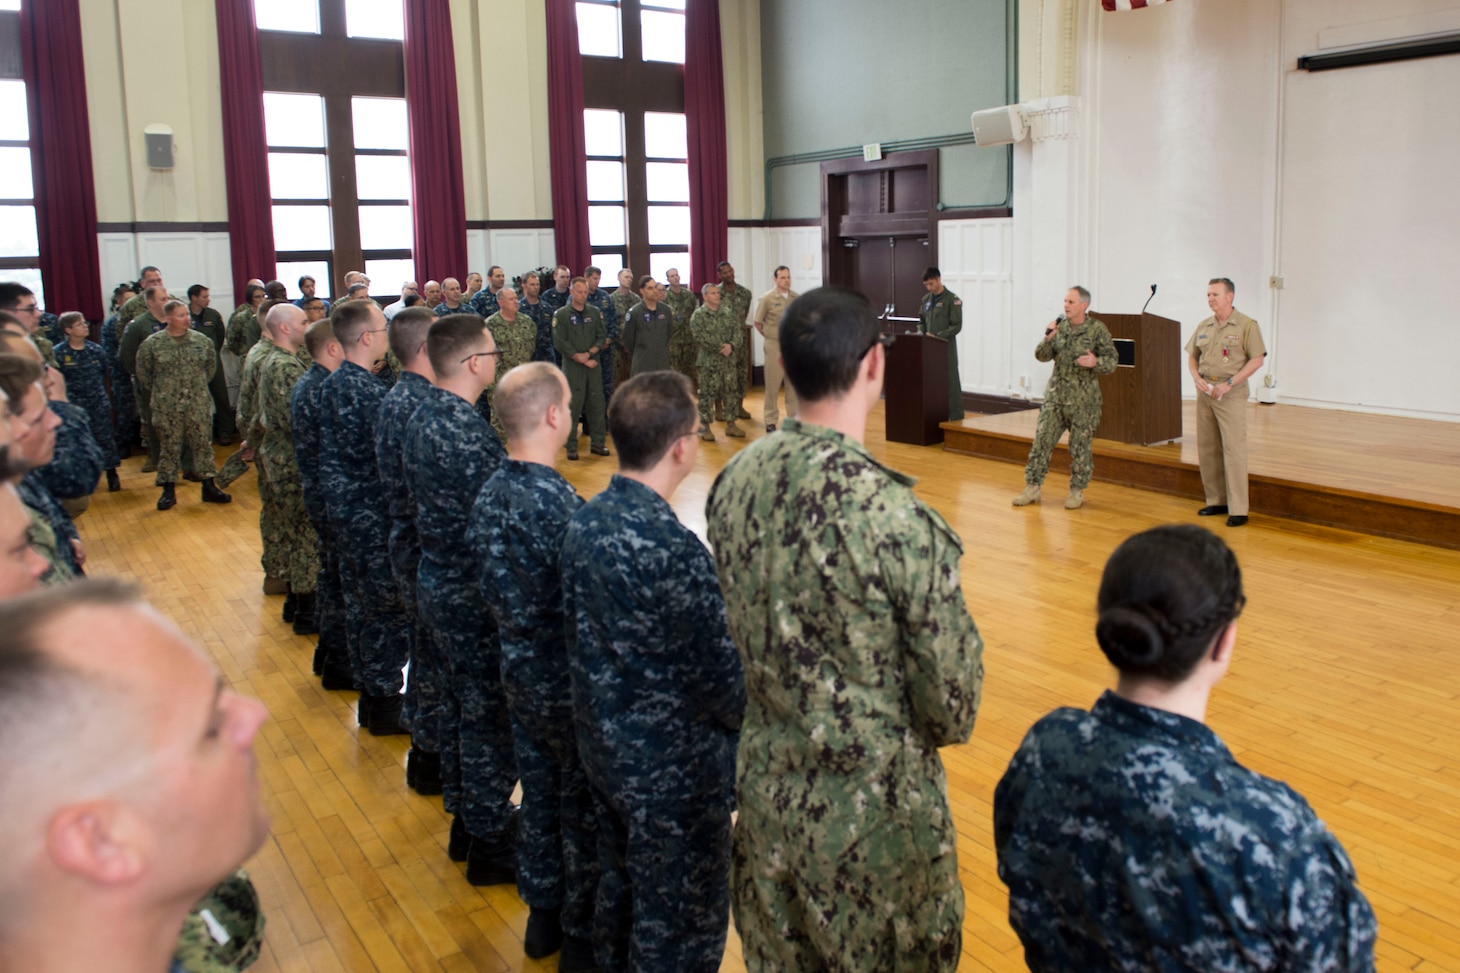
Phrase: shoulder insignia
(957, 302)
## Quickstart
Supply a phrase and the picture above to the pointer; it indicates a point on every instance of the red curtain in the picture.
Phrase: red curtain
(54, 68)
(438, 190)
(245, 151)
(704, 109)
(566, 149)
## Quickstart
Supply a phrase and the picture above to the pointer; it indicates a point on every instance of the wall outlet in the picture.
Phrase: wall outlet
(1276, 283)
(1023, 381)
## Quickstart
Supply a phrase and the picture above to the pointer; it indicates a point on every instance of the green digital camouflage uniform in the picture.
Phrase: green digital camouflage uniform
(712, 330)
(623, 302)
(233, 908)
(275, 557)
(135, 331)
(46, 348)
(1071, 399)
(941, 315)
(176, 373)
(517, 341)
(243, 332)
(137, 305)
(843, 594)
(736, 301)
(279, 371)
(683, 353)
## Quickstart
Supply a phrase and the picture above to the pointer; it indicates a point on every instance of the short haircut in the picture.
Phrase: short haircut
(492, 268)
(121, 289)
(195, 290)
(17, 375)
(1083, 292)
(590, 270)
(722, 265)
(147, 270)
(350, 319)
(578, 280)
(411, 300)
(532, 275)
(777, 271)
(705, 287)
(318, 337)
(408, 332)
(562, 267)
(303, 279)
(1165, 595)
(167, 308)
(250, 291)
(825, 334)
(276, 286)
(451, 339)
(523, 395)
(1225, 282)
(357, 289)
(70, 318)
(932, 273)
(12, 293)
(648, 413)
(645, 280)
(153, 292)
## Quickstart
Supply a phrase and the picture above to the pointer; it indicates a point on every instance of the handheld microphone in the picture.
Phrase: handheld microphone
(1149, 299)
(1055, 327)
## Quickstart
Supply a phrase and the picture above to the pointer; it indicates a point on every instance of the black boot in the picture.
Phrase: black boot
(168, 500)
(211, 493)
(544, 935)
(381, 716)
(291, 602)
(306, 618)
(113, 482)
(577, 956)
(320, 654)
(492, 860)
(458, 846)
(338, 675)
(425, 773)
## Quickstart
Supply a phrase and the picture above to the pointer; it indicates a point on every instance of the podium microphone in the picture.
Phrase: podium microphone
(1149, 299)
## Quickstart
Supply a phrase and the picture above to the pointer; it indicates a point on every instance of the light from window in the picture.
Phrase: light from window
(294, 120)
(663, 36)
(382, 177)
(386, 228)
(28, 277)
(660, 263)
(603, 132)
(664, 4)
(14, 120)
(610, 264)
(291, 271)
(15, 180)
(376, 18)
(668, 182)
(18, 237)
(302, 228)
(293, 175)
(668, 225)
(386, 275)
(380, 123)
(9, 4)
(606, 181)
(291, 15)
(664, 135)
(606, 226)
(599, 34)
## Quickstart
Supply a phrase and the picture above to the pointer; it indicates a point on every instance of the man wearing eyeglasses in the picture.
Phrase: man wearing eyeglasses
(21, 301)
(359, 516)
(450, 451)
(844, 852)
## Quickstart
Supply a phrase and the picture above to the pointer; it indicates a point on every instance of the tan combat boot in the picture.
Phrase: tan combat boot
(1075, 500)
(732, 430)
(706, 434)
(1030, 495)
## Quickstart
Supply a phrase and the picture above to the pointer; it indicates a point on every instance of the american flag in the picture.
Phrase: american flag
(1128, 4)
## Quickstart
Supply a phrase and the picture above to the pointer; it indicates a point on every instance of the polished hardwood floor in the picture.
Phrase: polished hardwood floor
(1346, 684)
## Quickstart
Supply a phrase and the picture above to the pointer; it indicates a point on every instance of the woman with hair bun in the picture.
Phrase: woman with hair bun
(1131, 839)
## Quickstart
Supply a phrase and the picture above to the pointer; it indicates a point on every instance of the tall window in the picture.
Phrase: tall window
(20, 249)
(337, 129)
(634, 128)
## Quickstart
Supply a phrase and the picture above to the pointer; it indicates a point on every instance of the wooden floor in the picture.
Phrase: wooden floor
(1386, 475)
(1346, 684)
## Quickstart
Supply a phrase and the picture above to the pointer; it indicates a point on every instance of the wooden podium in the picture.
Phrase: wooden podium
(916, 389)
(1142, 397)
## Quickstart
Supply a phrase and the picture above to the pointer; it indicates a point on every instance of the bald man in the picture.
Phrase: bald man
(128, 787)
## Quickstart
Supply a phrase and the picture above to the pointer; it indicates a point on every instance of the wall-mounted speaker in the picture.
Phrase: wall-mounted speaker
(998, 126)
(159, 146)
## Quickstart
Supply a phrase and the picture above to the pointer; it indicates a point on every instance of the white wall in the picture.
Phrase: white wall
(755, 253)
(184, 259)
(515, 250)
(977, 261)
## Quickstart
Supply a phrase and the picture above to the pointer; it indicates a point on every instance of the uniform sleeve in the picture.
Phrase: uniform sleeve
(141, 363)
(955, 319)
(1044, 351)
(130, 347)
(1105, 357)
(719, 686)
(737, 337)
(234, 338)
(601, 333)
(944, 656)
(1191, 345)
(1252, 342)
(630, 333)
(705, 337)
(560, 338)
(212, 366)
(1333, 926)
(77, 462)
(760, 309)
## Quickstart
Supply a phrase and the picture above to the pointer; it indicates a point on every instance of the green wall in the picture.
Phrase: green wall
(837, 74)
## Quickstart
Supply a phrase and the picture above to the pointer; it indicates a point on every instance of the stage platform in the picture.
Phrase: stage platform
(1383, 475)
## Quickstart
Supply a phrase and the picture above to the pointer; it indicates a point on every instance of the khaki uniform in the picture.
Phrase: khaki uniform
(1221, 351)
(768, 313)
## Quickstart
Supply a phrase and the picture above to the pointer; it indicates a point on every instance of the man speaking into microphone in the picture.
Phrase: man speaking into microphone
(1081, 349)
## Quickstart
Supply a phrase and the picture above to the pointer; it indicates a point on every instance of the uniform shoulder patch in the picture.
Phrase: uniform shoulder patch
(957, 302)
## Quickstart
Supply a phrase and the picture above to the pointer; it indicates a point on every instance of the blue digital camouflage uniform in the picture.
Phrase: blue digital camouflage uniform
(329, 596)
(124, 400)
(483, 303)
(658, 696)
(541, 314)
(450, 451)
(843, 593)
(517, 528)
(279, 372)
(84, 370)
(603, 300)
(72, 473)
(441, 310)
(1131, 839)
(555, 299)
(1071, 399)
(349, 404)
(423, 695)
(575, 332)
